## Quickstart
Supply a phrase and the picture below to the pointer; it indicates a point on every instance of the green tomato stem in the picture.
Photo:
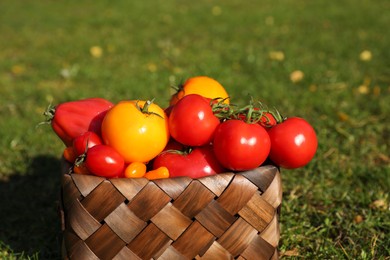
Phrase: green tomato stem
(145, 108)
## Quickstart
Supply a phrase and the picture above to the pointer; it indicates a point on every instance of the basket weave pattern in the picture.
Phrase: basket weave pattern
(225, 216)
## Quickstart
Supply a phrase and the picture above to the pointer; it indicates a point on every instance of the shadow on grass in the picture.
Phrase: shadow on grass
(29, 221)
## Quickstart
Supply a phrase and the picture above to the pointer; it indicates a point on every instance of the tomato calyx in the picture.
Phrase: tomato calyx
(81, 158)
(179, 87)
(145, 108)
(184, 151)
(220, 109)
(278, 117)
(253, 114)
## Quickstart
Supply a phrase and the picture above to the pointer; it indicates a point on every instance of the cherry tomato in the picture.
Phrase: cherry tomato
(138, 130)
(81, 169)
(293, 143)
(85, 141)
(135, 170)
(241, 146)
(103, 160)
(267, 120)
(201, 85)
(69, 154)
(192, 121)
(174, 145)
(198, 163)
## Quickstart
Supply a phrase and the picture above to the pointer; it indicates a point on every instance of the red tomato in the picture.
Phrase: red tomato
(240, 146)
(293, 143)
(71, 119)
(85, 141)
(192, 122)
(103, 160)
(174, 145)
(267, 120)
(200, 162)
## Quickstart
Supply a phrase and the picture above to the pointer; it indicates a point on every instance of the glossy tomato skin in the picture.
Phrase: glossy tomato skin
(71, 119)
(85, 141)
(192, 122)
(201, 85)
(103, 160)
(200, 162)
(138, 136)
(267, 120)
(293, 143)
(241, 146)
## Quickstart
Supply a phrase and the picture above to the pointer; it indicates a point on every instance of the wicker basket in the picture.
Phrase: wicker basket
(225, 216)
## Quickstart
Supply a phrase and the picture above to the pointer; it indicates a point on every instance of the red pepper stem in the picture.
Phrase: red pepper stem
(49, 113)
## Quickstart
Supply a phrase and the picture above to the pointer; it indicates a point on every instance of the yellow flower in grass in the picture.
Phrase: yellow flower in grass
(366, 55)
(276, 55)
(363, 89)
(96, 51)
(297, 76)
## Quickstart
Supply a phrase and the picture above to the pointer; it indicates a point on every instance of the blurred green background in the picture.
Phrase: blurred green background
(326, 61)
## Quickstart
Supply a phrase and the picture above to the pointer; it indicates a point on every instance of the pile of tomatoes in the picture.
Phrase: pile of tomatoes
(200, 134)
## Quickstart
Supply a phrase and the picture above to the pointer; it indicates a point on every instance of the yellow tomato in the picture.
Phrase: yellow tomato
(135, 170)
(201, 85)
(138, 130)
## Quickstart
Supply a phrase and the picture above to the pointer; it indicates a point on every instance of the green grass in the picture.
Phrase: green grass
(337, 207)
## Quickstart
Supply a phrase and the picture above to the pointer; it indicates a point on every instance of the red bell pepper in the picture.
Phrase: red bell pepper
(71, 119)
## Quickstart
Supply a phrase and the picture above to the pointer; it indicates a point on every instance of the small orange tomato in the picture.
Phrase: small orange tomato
(69, 154)
(80, 169)
(135, 170)
(137, 130)
(159, 173)
(201, 85)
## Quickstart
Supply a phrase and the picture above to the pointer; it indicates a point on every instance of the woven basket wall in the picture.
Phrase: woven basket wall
(225, 216)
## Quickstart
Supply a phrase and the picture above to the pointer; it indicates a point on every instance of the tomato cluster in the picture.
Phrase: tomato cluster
(199, 134)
